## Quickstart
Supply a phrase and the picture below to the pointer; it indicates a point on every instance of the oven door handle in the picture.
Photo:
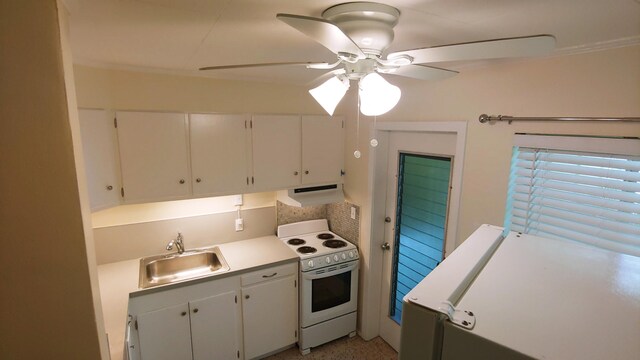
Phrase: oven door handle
(310, 275)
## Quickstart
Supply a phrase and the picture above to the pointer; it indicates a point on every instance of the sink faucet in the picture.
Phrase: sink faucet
(178, 242)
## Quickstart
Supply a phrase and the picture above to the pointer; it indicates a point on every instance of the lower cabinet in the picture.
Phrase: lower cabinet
(200, 329)
(269, 310)
(238, 317)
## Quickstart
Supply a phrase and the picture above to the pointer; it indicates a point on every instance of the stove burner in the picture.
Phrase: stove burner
(296, 241)
(325, 236)
(334, 244)
(306, 250)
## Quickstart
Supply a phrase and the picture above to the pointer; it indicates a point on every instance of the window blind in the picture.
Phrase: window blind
(589, 197)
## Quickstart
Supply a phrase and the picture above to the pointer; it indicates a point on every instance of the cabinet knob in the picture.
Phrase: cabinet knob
(109, 187)
(295, 173)
(183, 313)
(246, 296)
(198, 180)
(181, 181)
(195, 310)
(306, 172)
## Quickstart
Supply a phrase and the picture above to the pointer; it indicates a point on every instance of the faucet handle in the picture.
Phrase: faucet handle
(170, 244)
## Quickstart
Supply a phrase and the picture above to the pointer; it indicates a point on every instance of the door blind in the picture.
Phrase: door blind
(589, 197)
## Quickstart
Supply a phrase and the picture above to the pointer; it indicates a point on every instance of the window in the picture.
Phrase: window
(577, 188)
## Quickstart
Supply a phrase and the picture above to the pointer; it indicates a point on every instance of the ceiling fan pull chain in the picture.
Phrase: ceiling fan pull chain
(374, 141)
(357, 153)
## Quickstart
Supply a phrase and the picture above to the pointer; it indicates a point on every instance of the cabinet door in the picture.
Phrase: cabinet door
(100, 157)
(215, 332)
(269, 316)
(219, 153)
(165, 334)
(153, 156)
(276, 151)
(322, 149)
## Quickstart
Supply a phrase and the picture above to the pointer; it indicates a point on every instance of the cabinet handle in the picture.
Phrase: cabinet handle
(183, 313)
(109, 187)
(247, 296)
(295, 173)
(270, 276)
(198, 180)
(195, 310)
(181, 181)
(306, 172)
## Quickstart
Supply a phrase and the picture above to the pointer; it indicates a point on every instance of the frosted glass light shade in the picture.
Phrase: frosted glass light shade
(377, 96)
(329, 94)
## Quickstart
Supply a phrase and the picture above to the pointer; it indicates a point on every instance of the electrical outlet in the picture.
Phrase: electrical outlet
(239, 225)
(353, 212)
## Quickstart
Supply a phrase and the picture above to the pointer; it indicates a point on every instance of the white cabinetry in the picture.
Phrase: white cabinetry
(269, 309)
(290, 151)
(322, 149)
(100, 151)
(165, 333)
(153, 156)
(220, 152)
(276, 151)
(195, 322)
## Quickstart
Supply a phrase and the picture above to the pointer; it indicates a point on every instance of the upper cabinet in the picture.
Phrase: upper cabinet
(220, 152)
(291, 151)
(99, 147)
(154, 156)
(135, 156)
(276, 151)
(322, 149)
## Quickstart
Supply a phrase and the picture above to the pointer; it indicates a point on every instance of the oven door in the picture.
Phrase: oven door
(328, 293)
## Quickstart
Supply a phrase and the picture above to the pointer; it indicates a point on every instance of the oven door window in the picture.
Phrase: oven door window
(330, 292)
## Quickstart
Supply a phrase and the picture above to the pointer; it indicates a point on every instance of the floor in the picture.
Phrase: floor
(345, 348)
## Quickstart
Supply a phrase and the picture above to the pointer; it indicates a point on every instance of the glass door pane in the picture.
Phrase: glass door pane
(421, 217)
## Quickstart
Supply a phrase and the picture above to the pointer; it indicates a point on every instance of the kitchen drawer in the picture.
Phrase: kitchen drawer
(269, 274)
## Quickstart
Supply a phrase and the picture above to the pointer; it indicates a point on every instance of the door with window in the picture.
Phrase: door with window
(417, 204)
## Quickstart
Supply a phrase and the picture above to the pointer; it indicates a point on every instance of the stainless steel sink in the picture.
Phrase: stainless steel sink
(166, 269)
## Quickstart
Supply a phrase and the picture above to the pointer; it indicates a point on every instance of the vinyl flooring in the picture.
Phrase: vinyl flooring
(345, 348)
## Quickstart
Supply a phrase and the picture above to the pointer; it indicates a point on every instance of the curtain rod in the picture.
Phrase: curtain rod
(484, 118)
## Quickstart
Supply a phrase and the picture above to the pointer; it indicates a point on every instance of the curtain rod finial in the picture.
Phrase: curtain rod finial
(484, 118)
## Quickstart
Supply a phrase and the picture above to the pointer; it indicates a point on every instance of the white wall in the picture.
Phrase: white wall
(50, 304)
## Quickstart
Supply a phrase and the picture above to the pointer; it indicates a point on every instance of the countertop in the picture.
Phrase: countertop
(119, 280)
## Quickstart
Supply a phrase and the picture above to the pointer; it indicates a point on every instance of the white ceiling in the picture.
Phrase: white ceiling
(183, 35)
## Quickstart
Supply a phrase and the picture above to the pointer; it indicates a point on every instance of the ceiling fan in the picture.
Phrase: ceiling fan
(359, 33)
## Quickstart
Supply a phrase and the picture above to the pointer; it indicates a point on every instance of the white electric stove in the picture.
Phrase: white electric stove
(328, 293)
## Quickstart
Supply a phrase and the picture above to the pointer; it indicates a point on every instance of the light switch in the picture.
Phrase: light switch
(353, 212)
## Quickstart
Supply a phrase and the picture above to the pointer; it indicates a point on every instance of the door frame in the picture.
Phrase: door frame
(373, 223)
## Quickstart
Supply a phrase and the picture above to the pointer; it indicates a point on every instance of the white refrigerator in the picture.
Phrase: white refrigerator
(514, 296)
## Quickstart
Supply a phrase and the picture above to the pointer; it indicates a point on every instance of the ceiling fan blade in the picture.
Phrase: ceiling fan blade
(324, 77)
(422, 72)
(491, 49)
(324, 32)
(242, 66)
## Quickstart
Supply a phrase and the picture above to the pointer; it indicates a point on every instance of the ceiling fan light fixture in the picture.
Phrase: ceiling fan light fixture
(329, 93)
(377, 96)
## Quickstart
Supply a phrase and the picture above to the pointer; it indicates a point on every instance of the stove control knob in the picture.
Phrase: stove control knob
(351, 255)
(310, 263)
(335, 257)
(344, 256)
(328, 260)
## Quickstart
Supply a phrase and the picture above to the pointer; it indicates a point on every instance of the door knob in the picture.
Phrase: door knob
(385, 246)
(387, 219)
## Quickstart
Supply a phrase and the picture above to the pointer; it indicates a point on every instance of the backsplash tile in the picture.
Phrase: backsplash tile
(286, 214)
(337, 214)
(341, 223)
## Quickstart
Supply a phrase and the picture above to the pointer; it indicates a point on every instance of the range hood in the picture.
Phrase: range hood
(314, 195)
